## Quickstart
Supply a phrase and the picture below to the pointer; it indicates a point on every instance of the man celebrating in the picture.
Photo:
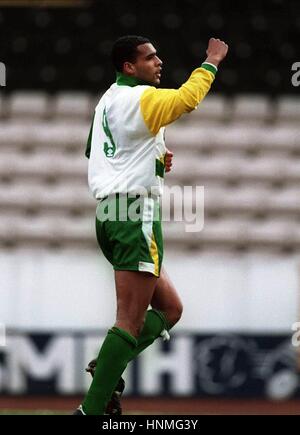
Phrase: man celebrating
(127, 160)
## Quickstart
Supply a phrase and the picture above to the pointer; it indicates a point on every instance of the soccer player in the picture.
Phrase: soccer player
(127, 160)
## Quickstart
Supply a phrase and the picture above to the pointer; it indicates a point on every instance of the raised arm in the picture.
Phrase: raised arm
(160, 107)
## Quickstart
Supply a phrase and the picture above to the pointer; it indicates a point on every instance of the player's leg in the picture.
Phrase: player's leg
(166, 299)
(166, 305)
(130, 245)
(134, 292)
(165, 313)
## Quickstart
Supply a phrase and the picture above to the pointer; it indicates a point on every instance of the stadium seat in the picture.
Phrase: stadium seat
(288, 109)
(28, 105)
(43, 166)
(233, 137)
(279, 138)
(72, 105)
(187, 138)
(64, 197)
(61, 135)
(213, 109)
(236, 200)
(255, 109)
(244, 200)
(286, 201)
(235, 232)
(14, 135)
(46, 229)
(226, 232)
(273, 233)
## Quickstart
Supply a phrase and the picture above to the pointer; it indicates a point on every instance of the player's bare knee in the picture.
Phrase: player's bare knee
(178, 313)
(175, 313)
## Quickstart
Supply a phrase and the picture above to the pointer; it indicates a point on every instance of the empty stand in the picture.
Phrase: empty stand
(250, 173)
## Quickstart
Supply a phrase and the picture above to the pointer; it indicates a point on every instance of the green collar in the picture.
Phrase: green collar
(124, 80)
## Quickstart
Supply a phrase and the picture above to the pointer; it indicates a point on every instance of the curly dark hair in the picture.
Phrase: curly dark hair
(125, 50)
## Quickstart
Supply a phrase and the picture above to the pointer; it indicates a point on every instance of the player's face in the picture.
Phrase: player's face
(148, 65)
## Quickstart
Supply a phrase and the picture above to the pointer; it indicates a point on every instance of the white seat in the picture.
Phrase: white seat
(288, 109)
(273, 232)
(52, 198)
(223, 232)
(285, 201)
(59, 229)
(61, 134)
(220, 232)
(212, 108)
(251, 109)
(195, 168)
(279, 138)
(239, 200)
(291, 170)
(15, 134)
(72, 105)
(233, 137)
(43, 166)
(201, 169)
(235, 201)
(185, 137)
(32, 105)
(238, 168)
(64, 229)
(43, 137)
(216, 137)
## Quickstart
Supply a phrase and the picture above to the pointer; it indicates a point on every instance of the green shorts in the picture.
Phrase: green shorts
(129, 232)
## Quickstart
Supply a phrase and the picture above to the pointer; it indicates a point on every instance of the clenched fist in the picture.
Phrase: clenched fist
(216, 51)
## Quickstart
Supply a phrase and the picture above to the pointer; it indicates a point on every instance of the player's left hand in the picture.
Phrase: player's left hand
(168, 160)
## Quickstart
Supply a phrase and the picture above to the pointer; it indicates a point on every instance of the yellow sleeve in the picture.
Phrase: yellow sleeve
(160, 107)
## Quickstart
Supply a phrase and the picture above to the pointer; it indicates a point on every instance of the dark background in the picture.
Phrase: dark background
(68, 47)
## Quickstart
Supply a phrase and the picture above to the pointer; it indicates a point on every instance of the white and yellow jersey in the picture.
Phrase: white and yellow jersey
(126, 147)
